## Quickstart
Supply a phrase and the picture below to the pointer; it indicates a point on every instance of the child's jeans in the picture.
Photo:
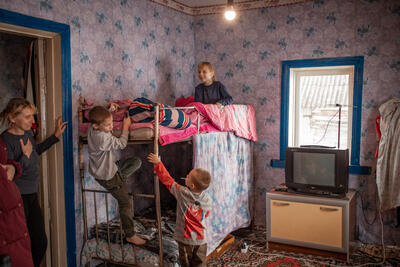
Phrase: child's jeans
(117, 187)
(192, 255)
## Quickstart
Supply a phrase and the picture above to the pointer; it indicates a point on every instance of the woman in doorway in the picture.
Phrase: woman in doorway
(22, 148)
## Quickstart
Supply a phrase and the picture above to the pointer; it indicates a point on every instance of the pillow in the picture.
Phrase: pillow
(142, 110)
(118, 115)
(182, 101)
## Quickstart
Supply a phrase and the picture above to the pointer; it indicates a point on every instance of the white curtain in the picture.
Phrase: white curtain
(388, 164)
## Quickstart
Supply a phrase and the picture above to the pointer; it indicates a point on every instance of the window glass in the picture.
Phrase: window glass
(320, 98)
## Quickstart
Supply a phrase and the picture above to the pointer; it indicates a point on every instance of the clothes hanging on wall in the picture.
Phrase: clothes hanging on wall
(29, 75)
(388, 164)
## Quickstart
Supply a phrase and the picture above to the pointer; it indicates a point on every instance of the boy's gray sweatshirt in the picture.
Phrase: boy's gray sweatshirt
(101, 148)
(191, 210)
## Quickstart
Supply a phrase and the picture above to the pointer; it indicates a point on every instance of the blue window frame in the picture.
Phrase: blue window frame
(358, 63)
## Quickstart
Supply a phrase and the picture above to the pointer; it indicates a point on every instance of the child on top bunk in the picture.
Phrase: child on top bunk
(210, 91)
(108, 172)
(193, 206)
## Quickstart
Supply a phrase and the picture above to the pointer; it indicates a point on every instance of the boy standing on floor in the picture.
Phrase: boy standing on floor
(193, 206)
(107, 172)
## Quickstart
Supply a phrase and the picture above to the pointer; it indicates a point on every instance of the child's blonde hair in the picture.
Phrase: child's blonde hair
(210, 67)
(14, 107)
(201, 179)
(98, 114)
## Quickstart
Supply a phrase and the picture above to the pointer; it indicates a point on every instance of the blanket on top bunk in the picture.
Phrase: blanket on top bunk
(239, 119)
(142, 110)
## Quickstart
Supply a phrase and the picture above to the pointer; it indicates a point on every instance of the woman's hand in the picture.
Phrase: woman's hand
(26, 148)
(60, 127)
(152, 158)
(10, 170)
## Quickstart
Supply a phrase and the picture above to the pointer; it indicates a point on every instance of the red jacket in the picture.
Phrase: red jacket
(14, 236)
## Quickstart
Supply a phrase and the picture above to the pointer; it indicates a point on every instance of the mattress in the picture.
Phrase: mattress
(136, 134)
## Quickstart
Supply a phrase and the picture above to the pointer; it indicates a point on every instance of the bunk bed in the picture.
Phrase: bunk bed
(109, 246)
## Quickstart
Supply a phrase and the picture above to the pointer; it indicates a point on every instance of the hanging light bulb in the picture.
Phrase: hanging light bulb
(230, 13)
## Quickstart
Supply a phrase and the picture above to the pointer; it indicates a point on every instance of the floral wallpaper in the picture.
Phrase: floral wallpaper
(131, 48)
(119, 49)
(247, 55)
(13, 51)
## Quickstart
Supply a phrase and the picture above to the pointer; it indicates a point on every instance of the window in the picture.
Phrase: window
(318, 98)
(314, 93)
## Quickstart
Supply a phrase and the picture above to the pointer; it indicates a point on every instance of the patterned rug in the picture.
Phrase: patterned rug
(258, 255)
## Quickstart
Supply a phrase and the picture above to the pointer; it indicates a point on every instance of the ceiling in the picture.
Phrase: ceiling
(205, 7)
(203, 3)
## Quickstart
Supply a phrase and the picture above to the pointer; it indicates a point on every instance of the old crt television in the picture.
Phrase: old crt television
(317, 170)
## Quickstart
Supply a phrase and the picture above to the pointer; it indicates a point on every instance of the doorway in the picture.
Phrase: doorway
(54, 99)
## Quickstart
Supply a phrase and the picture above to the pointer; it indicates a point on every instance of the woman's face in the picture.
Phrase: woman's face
(24, 120)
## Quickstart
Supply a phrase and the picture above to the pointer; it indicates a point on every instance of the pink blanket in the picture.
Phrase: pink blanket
(239, 119)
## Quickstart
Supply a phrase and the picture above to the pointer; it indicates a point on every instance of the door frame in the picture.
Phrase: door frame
(23, 24)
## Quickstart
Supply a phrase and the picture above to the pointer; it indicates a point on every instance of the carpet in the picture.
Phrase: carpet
(258, 255)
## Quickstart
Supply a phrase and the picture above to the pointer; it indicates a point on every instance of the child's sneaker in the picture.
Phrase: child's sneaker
(136, 240)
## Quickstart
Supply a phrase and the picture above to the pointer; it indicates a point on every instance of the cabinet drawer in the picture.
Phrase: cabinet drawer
(313, 223)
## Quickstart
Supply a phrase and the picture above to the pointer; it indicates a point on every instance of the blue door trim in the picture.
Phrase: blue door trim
(14, 18)
(358, 63)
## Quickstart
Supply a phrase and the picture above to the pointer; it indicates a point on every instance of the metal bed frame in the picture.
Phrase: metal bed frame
(156, 194)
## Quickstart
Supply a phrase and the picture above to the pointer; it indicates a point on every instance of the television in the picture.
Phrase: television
(317, 170)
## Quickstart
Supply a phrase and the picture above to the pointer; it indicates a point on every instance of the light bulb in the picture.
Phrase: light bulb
(230, 14)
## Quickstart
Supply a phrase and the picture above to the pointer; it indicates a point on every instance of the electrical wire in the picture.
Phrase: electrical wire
(362, 208)
(326, 128)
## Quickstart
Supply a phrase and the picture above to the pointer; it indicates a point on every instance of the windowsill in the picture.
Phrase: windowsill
(353, 169)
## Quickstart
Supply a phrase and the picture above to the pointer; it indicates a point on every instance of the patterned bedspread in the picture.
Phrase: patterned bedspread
(229, 160)
(101, 250)
(144, 255)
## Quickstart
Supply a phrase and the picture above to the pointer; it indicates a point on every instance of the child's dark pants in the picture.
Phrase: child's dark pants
(117, 187)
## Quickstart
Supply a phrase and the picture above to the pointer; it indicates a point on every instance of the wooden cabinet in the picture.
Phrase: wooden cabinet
(315, 222)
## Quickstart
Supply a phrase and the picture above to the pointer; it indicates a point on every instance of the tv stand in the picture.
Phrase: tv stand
(320, 225)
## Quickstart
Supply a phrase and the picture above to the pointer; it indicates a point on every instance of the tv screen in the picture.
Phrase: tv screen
(317, 170)
(314, 168)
